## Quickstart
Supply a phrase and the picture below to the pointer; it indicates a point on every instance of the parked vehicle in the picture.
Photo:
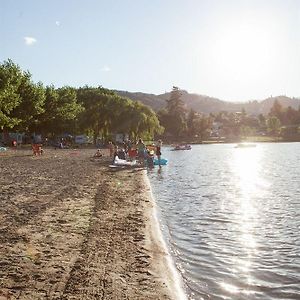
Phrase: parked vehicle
(81, 139)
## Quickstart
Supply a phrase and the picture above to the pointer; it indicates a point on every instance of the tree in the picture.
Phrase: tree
(98, 112)
(246, 131)
(21, 100)
(10, 80)
(191, 118)
(61, 110)
(148, 122)
(174, 120)
(276, 110)
(175, 105)
(32, 103)
(273, 124)
(262, 120)
(106, 112)
(291, 116)
(203, 126)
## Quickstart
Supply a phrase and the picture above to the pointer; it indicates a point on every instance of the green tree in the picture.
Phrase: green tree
(61, 110)
(10, 81)
(291, 116)
(246, 131)
(98, 112)
(105, 113)
(32, 103)
(21, 100)
(276, 110)
(262, 120)
(148, 123)
(174, 104)
(191, 126)
(273, 124)
(174, 117)
(203, 126)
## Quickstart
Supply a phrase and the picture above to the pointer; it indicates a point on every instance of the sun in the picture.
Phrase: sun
(243, 51)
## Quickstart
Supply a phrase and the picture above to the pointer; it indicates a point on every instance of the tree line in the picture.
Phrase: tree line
(180, 123)
(30, 107)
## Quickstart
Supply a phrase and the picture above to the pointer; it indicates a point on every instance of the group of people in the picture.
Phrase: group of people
(138, 151)
(147, 153)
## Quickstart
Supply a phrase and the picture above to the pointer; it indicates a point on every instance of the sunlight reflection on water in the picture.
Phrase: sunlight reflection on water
(231, 220)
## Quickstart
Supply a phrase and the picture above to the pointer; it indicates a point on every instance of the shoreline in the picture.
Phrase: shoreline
(166, 261)
(71, 228)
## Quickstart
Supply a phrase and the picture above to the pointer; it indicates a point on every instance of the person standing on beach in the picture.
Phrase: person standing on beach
(141, 148)
(158, 150)
(111, 149)
(127, 146)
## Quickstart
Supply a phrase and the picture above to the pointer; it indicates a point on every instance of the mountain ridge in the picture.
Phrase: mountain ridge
(207, 104)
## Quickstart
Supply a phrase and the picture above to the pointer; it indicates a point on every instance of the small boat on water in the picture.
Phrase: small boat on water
(182, 147)
(245, 145)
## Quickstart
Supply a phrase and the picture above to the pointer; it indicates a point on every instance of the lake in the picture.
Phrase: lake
(231, 218)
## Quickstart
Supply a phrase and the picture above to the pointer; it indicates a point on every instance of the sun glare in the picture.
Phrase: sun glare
(247, 167)
(243, 50)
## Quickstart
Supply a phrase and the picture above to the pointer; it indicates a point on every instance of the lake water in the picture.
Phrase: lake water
(231, 217)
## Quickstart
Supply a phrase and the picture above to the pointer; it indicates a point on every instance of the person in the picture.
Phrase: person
(37, 149)
(98, 154)
(14, 144)
(121, 154)
(158, 150)
(127, 146)
(141, 148)
(150, 159)
(115, 154)
(111, 149)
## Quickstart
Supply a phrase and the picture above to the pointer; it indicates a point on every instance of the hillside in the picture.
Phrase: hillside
(206, 104)
(154, 101)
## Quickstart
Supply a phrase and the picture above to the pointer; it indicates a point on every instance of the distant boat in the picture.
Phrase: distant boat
(245, 145)
(182, 147)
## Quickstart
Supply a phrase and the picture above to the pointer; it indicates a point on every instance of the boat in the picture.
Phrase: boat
(182, 147)
(245, 145)
(162, 162)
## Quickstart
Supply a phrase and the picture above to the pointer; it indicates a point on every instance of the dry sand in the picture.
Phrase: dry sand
(72, 228)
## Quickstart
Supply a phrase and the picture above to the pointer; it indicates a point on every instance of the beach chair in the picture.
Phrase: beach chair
(37, 149)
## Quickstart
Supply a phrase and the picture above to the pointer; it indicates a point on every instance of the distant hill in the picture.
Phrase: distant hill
(266, 104)
(154, 101)
(206, 104)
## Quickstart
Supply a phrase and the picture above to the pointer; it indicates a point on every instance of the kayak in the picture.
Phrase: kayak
(163, 162)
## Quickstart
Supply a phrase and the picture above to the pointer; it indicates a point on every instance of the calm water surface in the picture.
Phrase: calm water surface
(231, 217)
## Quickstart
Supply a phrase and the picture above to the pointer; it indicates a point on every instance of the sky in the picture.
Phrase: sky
(234, 50)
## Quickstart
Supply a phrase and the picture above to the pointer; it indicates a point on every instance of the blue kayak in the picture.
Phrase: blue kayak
(163, 161)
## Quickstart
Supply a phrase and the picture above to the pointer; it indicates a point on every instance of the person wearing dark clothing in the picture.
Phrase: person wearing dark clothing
(158, 150)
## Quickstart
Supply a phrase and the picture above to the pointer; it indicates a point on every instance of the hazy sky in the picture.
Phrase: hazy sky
(233, 50)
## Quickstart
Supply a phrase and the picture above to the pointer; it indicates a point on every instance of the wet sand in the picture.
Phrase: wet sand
(72, 228)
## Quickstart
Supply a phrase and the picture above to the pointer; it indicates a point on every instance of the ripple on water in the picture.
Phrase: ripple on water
(232, 219)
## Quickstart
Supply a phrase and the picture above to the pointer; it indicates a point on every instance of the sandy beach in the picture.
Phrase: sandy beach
(72, 228)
